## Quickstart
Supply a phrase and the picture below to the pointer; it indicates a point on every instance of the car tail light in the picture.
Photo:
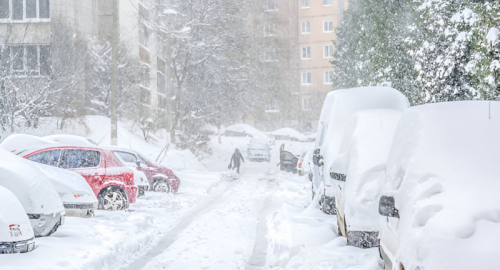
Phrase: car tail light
(300, 164)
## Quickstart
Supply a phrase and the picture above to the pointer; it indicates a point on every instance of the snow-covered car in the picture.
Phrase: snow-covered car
(111, 181)
(358, 173)
(34, 190)
(304, 164)
(76, 195)
(289, 134)
(439, 204)
(288, 161)
(160, 178)
(259, 150)
(243, 130)
(16, 233)
(338, 107)
(140, 180)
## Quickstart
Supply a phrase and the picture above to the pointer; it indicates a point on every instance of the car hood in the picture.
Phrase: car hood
(29, 184)
(14, 223)
(72, 187)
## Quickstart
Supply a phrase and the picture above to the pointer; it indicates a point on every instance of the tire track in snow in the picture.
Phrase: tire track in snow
(258, 258)
(171, 236)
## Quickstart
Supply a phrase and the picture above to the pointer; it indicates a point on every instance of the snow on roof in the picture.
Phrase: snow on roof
(247, 129)
(443, 171)
(290, 132)
(30, 185)
(18, 143)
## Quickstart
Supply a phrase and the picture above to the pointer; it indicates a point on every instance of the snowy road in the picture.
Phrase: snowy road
(262, 219)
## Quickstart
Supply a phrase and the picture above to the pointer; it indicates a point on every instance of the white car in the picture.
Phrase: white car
(304, 164)
(35, 192)
(339, 106)
(440, 207)
(76, 195)
(259, 150)
(16, 233)
(358, 173)
(140, 180)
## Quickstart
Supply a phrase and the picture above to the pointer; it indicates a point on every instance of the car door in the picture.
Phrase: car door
(148, 169)
(87, 163)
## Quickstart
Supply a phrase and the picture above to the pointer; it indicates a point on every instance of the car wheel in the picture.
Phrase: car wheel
(112, 199)
(162, 186)
(55, 228)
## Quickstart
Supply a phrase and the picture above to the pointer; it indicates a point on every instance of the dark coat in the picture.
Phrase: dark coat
(236, 158)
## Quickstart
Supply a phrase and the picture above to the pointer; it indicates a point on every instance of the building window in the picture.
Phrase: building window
(306, 52)
(25, 10)
(143, 35)
(270, 30)
(328, 77)
(145, 96)
(270, 55)
(306, 104)
(161, 88)
(328, 26)
(328, 51)
(272, 106)
(271, 5)
(306, 28)
(305, 4)
(306, 78)
(29, 60)
(145, 80)
(327, 2)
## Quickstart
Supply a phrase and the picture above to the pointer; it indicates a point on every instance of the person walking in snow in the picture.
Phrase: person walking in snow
(236, 160)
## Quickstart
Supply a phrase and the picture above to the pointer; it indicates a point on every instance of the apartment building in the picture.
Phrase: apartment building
(317, 20)
(30, 31)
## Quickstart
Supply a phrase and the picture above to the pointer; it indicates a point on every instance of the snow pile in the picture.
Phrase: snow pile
(13, 213)
(304, 238)
(289, 134)
(443, 173)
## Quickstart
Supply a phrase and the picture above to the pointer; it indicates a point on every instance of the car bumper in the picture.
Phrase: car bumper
(45, 225)
(363, 239)
(142, 190)
(80, 209)
(17, 247)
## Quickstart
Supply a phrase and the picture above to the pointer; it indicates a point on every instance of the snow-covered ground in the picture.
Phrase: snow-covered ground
(261, 219)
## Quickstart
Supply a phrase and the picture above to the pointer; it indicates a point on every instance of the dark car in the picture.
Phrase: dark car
(160, 178)
(288, 161)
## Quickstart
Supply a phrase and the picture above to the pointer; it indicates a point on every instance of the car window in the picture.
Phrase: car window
(142, 161)
(50, 157)
(126, 158)
(72, 159)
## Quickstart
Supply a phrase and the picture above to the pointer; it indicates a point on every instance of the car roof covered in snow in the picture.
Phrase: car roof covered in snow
(259, 143)
(366, 143)
(246, 129)
(23, 144)
(30, 184)
(443, 171)
(290, 132)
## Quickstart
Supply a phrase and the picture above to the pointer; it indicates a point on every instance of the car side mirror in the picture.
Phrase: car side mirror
(387, 207)
(138, 164)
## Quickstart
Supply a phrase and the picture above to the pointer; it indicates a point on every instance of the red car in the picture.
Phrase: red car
(112, 182)
(160, 178)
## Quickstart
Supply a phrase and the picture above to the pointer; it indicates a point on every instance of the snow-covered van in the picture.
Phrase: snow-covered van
(112, 182)
(35, 192)
(358, 173)
(440, 203)
(339, 106)
(16, 233)
(259, 150)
